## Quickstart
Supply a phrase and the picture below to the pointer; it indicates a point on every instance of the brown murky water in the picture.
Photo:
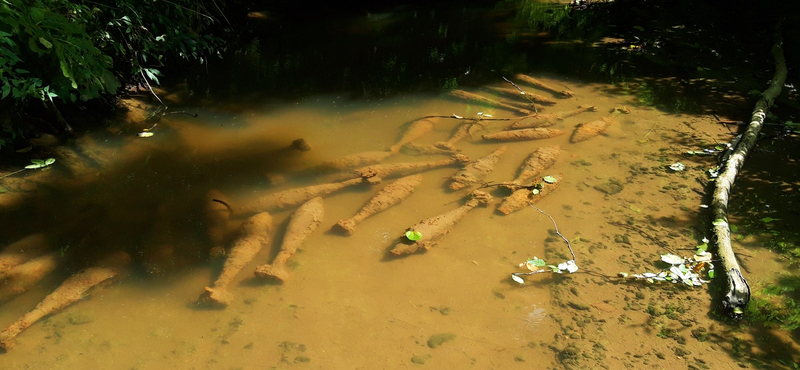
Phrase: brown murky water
(347, 304)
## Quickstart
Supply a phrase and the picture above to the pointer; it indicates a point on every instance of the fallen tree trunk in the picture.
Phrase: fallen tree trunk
(738, 294)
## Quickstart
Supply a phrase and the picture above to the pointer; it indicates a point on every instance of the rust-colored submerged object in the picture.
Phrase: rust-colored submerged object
(21, 251)
(475, 171)
(75, 288)
(294, 197)
(416, 130)
(541, 85)
(588, 130)
(427, 149)
(390, 170)
(21, 277)
(475, 98)
(463, 131)
(434, 228)
(540, 160)
(351, 161)
(254, 234)
(524, 134)
(389, 196)
(521, 197)
(302, 223)
(549, 119)
(536, 98)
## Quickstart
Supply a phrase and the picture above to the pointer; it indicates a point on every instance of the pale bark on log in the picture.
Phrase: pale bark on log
(738, 294)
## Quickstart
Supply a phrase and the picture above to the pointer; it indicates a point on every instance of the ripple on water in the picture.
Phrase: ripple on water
(381, 237)
(534, 317)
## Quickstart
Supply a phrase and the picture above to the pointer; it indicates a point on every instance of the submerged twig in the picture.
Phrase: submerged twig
(224, 203)
(535, 110)
(455, 116)
(537, 265)
(556, 227)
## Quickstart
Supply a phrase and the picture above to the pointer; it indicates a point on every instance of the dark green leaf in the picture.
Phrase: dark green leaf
(45, 43)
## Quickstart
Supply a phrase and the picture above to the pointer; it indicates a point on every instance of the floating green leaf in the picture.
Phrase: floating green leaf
(536, 191)
(536, 261)
(40, 163)
(413, 235)
(711, 274)
(550, 179)
(769, 219)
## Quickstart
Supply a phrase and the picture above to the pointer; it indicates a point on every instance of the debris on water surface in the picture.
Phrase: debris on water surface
(677, 167)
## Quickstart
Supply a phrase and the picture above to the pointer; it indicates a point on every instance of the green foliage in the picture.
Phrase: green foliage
(80, 50)
(450, 84)
(413, 235)
(35, 165)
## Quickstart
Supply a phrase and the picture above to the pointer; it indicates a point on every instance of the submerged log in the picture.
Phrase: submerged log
(523, 196)
(22, 250)
(434, 228)
(540, 160)
(416, 130)
(75, 288)
(514, 92)
(541, 85)
(390, 170)
(254, 234)
(390, 195)
(475, 171)
(475, 98)
(549, 119)
(302, 223)
(738, 294)
(20, 278)
(524, 134)
(294, 197)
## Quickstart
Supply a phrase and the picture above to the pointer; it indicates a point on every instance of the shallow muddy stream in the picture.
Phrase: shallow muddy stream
(349, 303)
